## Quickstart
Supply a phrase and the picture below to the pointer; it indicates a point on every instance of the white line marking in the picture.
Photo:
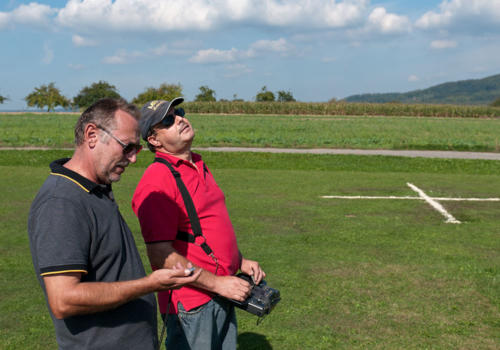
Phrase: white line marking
(424, 197)
(467, 199)
(371, 197)
(436, 205)
(458, 199)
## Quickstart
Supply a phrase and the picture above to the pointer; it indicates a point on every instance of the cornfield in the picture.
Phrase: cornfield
(343, 108)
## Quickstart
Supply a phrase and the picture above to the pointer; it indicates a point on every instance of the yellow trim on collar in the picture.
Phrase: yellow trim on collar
(76, 182)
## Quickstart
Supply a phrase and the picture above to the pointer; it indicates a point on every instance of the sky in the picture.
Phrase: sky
(316, 50)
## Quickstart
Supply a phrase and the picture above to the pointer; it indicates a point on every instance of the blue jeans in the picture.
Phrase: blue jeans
(209, 326)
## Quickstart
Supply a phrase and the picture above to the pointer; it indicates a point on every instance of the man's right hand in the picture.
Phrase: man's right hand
(174, 278)
(232, 287)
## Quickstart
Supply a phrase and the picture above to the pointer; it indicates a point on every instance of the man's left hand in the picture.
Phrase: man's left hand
(253, 269)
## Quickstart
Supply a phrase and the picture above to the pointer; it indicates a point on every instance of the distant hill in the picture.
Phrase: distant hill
(465, 92)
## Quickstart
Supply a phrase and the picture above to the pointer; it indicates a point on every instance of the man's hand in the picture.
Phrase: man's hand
(174, 278)
(253, 269)
(232, 287)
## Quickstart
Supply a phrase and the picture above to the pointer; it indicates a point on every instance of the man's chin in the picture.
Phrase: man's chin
(115, 177)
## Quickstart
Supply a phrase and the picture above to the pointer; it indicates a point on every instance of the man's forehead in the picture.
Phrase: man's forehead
(125, 121)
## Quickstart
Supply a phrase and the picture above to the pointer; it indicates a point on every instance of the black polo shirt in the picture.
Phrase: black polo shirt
(75, 225)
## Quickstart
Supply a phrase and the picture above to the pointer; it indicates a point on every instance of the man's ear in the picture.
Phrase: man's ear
(90, 134)
(152, 140)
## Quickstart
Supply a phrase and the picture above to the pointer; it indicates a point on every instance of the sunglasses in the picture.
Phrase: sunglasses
(129, 149)
(169, 119)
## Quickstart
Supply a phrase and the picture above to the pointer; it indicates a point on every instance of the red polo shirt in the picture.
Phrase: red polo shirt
(158, 204)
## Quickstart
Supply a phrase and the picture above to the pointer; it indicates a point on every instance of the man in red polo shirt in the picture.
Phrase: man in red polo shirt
(198, 318)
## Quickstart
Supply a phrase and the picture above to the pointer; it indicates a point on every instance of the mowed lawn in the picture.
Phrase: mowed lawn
(460, 134)
(366, 274)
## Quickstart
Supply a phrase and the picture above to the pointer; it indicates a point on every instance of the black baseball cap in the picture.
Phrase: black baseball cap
(153, 112)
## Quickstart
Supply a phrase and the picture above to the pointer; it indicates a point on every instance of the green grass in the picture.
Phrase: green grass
(464, 134)
(353, 274)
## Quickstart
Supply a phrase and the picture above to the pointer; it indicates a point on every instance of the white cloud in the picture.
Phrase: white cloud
(443, 44)
(388, 23)
(32, 14)
(48, 54)
(124, 56)
(76, 66)
(81, 41)
(116, 59)
(258, 48)
(328, 59)
(161, 50)
(312, 13)
(4, 20)
(413, 78)
(174, 15)
(462, 13)
(215, 56)
(280, 46)
(236, 70)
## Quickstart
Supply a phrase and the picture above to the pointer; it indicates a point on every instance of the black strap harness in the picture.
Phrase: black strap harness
(192, 214)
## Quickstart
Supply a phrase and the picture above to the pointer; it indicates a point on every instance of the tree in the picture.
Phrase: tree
(164, 92)
(495, 103)
(47, 95)
(206, 95)
(285, 96)
(264, 95)
(2, 99)
(90, 94)
(237, 99)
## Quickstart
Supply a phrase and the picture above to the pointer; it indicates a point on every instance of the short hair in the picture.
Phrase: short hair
(102, 113)
(151, 131)
(151, 147)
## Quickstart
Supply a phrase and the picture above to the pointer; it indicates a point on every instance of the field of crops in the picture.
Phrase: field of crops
(343, 108)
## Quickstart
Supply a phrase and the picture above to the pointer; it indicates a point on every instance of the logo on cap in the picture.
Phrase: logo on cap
(155, 104)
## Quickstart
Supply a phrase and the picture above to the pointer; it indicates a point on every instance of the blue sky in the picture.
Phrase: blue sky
(315, 49)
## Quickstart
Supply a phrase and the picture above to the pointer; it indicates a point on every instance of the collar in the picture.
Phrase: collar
(176, 161)
(57, 168)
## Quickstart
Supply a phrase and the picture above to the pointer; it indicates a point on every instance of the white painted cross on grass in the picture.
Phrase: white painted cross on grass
(432, 201)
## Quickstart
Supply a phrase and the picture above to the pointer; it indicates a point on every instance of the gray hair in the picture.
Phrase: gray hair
(102, 113)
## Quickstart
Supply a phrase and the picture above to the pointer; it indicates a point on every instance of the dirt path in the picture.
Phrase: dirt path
(398, 153)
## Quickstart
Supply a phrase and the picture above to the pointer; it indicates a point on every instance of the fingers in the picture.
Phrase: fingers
(175, 278)
(191, 276)
(253, 268)
(261, 275)
(233, 288)
(257, 273)
(241, 292)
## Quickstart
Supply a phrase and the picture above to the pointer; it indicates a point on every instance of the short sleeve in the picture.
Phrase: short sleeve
(61, 237)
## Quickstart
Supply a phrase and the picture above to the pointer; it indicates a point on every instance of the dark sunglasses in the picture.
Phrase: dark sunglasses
(129, 149)
(169, 119)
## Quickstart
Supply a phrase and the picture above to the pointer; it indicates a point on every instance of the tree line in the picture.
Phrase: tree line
(49, 96)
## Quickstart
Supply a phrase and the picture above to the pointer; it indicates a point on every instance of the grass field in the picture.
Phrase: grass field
(353, 274)
(462, 134)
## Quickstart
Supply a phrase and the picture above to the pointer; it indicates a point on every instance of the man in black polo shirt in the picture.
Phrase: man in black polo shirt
(84, 254)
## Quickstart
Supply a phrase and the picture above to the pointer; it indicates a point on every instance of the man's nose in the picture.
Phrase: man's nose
(132, 157)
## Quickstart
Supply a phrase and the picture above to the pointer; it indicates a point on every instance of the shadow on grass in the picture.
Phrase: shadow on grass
(253, 341)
